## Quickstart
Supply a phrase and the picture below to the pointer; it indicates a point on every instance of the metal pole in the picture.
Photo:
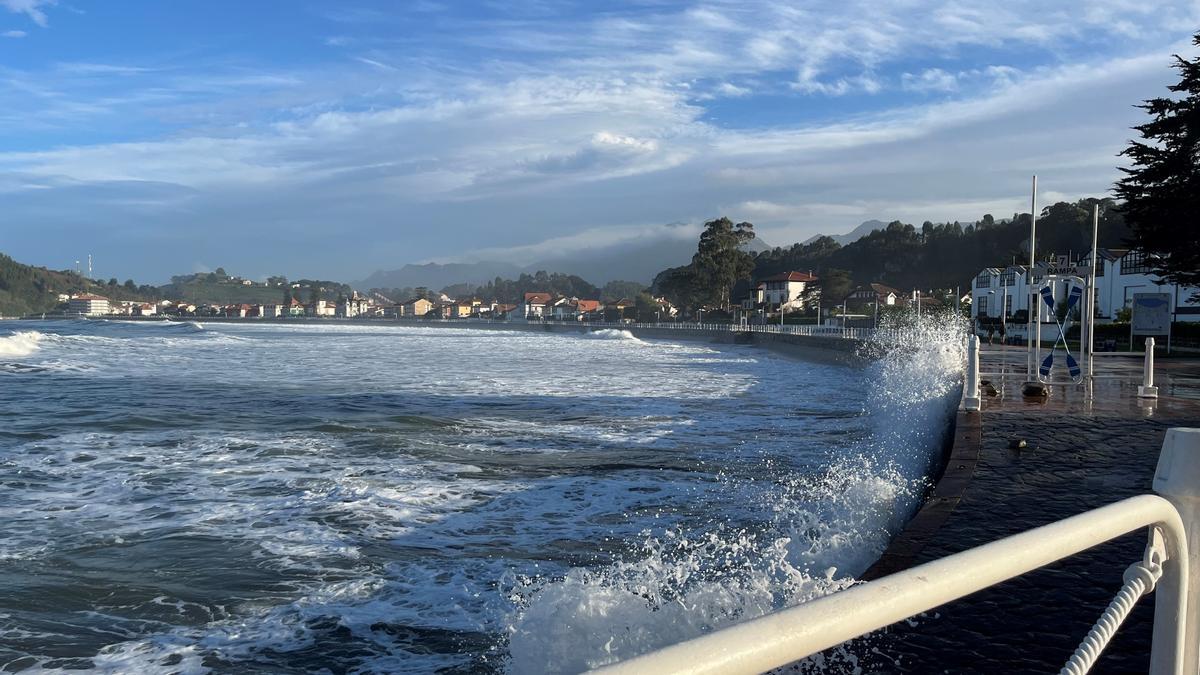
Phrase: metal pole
(1029, 357)
(1091, 311)
(1177, 479)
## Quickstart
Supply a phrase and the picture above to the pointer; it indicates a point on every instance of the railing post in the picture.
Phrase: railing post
(1148, 390)
(971, 385)
(1177, 479)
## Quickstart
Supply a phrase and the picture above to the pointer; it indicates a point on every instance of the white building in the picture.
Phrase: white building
(88, 305)
(1120, 274)
(786, 290)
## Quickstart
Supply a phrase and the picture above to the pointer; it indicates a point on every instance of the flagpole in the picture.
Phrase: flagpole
(1091, 309)
(1034, 306)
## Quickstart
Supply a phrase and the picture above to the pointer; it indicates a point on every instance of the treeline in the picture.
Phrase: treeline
(944, 255)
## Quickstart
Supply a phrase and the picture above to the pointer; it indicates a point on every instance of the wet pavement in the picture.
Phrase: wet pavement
(1085, 447)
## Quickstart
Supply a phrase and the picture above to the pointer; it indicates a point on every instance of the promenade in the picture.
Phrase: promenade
(1081, 452)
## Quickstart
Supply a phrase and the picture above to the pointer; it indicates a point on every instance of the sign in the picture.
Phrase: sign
(1061, 266)
(1151, 313)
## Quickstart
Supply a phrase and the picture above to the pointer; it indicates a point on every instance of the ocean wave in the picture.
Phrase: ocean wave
(612, 334)
(22, 343)
(823, 532)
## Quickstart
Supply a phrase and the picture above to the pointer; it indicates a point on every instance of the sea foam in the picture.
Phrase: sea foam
(22, 343)
(823, 531)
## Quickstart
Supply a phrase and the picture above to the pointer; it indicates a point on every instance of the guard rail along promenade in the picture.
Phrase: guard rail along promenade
(1170, 567)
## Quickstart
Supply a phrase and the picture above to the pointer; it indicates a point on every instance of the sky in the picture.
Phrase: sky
(331, 139)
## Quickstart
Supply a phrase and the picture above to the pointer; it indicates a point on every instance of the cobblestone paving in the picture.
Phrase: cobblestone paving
(1081, 454)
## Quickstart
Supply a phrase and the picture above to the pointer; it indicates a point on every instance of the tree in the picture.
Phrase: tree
(287, 296)
(314, 294)
(719, 259)
(1162, 187)
(835, 286)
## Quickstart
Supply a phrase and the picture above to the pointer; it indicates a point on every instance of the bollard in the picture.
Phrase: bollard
(971, 386)
(1148, 390)
(1177, 479)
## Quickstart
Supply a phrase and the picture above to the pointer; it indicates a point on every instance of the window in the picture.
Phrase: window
(1136, 262)
(983, 280)
(1008, 279)
(982, 310)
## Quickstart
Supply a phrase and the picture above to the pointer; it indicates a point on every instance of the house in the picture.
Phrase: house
(353, 306)
(873, 294)
(417, 307)
(294, 308)
(534, 305)
(321, 307)
(237, 311)
(272, 311)
(145, 309)
(784, 290)
(461, 309)
(1120, 273)
(586, 310)
(88, 305)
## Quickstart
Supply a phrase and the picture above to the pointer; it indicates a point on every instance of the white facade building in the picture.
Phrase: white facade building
(786, 290)
(88, 305)
(1119, 275)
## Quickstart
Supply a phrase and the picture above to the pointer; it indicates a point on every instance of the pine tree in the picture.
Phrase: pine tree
(1161, 189)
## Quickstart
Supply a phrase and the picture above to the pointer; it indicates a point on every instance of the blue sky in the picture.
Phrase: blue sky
(334, 138)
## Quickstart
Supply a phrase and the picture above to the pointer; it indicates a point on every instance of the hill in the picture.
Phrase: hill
(26, 289)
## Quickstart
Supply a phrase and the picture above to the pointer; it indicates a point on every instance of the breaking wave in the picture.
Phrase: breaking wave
(612, 334)
(823, 531)
(22, 343)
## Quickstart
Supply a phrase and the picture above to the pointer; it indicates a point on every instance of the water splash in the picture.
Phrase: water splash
(823, 530)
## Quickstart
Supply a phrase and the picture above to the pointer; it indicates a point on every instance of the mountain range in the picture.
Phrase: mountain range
(638, 260)
(852, 236)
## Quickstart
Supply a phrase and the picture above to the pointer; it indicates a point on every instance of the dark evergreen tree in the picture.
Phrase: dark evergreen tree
(1161, 189)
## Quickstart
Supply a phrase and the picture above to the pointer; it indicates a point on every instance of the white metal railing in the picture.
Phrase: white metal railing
(1170, 565)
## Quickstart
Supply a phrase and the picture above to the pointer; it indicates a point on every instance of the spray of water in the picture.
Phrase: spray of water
(822, 531)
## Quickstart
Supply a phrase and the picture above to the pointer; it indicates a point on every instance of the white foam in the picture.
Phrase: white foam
(22, 343)
(824, 530)
(612, 334)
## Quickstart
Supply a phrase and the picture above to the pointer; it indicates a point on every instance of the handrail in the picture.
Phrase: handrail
(789, 635)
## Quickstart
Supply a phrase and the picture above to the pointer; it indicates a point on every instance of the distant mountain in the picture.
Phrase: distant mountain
(853, 235)
(636, 260)
(437, 276)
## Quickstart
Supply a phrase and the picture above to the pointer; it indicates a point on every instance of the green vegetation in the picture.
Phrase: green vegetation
(1162, 188)
(718, 264)
(218, 288)
(935, 256)
(25, 289)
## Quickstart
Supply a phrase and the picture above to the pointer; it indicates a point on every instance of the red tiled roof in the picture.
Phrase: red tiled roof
(539, 298)
(588, 305)
(790, 276)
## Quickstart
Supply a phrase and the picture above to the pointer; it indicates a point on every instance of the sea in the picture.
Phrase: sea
(190, 497)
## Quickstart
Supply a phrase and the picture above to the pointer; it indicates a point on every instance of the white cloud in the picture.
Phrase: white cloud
(14, 34)
(595, 129)
(30, 8)
(930, 79)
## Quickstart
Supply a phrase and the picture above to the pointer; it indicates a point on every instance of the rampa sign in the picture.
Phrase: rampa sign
(1151, 313)
(1061, 266)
